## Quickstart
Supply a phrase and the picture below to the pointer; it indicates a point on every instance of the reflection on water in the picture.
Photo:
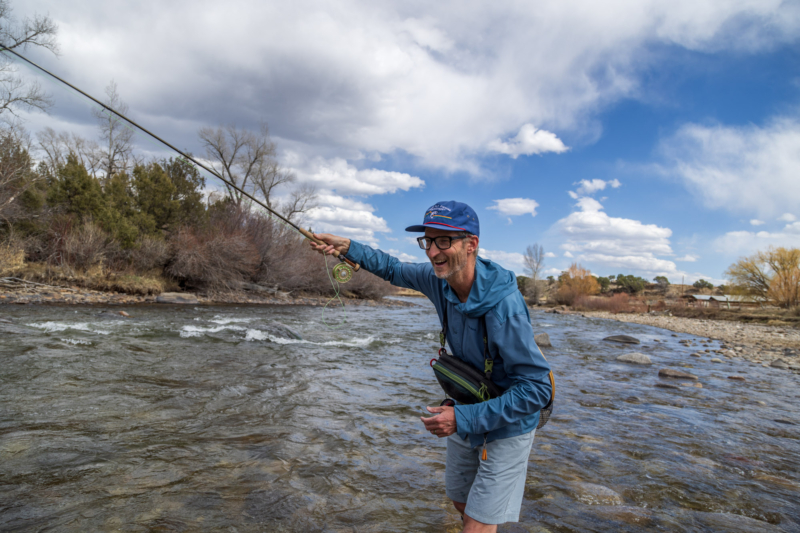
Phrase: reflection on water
(262, 419)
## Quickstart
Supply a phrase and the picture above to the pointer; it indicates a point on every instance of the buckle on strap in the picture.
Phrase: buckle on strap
(488, 365)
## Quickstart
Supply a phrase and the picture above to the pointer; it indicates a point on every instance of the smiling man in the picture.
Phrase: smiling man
(475, 299)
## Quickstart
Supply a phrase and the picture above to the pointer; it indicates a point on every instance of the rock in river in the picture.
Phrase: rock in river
(592, 494)
(542, 340)
(176, 298)
(625, 339)
(675, 374)
(636, 358)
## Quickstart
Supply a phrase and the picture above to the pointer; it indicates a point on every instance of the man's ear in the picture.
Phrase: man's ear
(472, 245)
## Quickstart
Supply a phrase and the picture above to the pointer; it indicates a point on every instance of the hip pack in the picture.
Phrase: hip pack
(464, 383)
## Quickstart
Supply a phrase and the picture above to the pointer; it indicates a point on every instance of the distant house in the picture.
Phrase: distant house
(728, 301)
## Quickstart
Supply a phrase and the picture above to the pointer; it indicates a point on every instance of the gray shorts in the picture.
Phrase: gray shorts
(492, 489)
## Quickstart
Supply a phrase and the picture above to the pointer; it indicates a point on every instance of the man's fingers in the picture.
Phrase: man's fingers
(435, 409)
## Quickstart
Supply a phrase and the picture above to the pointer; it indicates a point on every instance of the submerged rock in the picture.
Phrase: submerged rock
(636, 358)
(592, 494)
(176, 298)
(667, 386)
(542, 340)
(625, 339)
(675, 374)
(737, 378)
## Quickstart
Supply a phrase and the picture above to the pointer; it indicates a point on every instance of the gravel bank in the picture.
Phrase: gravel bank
(766, 345)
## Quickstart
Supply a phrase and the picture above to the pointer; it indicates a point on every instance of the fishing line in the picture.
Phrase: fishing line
(342, 272)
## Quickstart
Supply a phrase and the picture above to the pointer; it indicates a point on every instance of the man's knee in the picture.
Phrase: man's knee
(460, 506)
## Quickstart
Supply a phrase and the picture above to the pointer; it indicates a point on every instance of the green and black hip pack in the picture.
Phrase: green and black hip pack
(465, 384)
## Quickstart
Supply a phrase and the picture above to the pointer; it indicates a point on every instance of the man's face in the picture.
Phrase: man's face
(447, 262)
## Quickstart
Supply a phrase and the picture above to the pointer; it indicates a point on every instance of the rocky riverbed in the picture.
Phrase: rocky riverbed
(41, 294)
(772, 346)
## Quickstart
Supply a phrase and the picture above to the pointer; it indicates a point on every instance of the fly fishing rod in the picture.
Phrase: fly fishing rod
(342, 272)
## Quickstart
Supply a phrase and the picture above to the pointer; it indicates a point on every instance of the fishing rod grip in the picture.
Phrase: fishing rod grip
(308, 235)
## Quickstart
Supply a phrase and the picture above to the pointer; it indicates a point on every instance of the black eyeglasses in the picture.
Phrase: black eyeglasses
(442, 243)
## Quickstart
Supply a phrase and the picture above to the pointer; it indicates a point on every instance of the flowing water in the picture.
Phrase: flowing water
(262, 419)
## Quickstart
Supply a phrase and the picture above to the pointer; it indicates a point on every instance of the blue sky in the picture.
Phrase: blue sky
(647, 137)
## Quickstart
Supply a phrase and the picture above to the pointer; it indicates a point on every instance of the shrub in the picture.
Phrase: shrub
(86, 247)
(574, 282)
(619, 303)
(211, 258)
(12, 255)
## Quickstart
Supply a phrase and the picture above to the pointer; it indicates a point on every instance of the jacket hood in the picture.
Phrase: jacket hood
(492, 284)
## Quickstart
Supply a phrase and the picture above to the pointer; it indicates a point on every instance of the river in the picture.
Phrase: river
(240, 419)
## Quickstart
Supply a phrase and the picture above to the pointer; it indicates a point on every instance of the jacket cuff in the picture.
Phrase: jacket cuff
(463, 426)
(356, 252)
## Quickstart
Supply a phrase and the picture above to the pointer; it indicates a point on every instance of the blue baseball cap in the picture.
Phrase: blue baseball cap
(452, 216)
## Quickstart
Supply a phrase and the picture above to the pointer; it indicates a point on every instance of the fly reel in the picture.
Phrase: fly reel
(342, 273)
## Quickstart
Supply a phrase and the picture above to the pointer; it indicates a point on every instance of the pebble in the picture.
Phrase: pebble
(716, 360)
(675, 374)
(667, 386)
(625, 339)
(737, 378)
(635, 358)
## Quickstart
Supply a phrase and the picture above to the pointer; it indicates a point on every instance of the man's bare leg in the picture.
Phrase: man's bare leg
(471, 525)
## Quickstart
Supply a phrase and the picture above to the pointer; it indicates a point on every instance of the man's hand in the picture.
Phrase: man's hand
(443, 424)
(334, 242)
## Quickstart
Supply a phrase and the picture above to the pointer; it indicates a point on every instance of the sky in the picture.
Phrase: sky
(645, 137)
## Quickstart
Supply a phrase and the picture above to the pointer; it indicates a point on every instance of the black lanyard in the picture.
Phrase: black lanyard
(488, 362)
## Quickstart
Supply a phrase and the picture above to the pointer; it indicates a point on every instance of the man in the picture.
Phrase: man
(486, 490)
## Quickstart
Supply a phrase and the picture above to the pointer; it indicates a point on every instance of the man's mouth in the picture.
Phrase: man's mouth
(441, 262)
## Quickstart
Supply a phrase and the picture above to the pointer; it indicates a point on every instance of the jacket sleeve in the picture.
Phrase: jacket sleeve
(528, 371)
(415, 276)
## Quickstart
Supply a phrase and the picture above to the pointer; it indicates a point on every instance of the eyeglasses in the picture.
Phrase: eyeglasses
(442, 243)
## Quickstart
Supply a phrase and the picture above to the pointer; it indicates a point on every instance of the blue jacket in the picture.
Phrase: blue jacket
(519, 365)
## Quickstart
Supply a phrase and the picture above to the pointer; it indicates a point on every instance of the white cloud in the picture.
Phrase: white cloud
(344, 178)
(748, 169)
(592, 186)
(347, 217)
(529, 141)
(749, 242)
(787, 217)
(510, 260)
(687, 258)
(406, 258)
(515, 206)
(440, 81)
(600, 241)
(550, 254)
(756, 222)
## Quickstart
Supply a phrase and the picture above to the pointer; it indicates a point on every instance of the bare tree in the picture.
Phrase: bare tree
(15, 93)
(244, 158)
(534, 262)
(249, 160)
(116, 134)
(300, 200)
(57, 146)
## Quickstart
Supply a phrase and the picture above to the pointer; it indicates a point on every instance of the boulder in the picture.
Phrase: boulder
(777, 363)
(636, 358)
(625, 339)
(716, 360)
(176, 298)
(542, 340)
(675, 374)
